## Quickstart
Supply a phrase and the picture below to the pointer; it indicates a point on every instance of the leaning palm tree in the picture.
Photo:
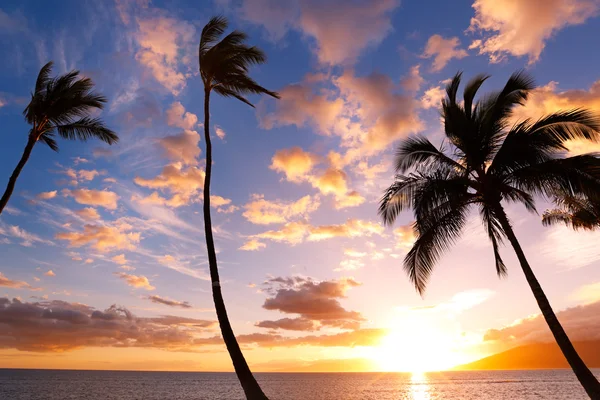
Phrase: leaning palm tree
(488, 162)
(224, 66)
(60, 105)
(577, 212)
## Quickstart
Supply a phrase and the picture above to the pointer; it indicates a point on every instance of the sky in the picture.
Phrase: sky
(103, 257)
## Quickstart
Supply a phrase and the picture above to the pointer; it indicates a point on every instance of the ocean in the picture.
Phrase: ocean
(124, 385)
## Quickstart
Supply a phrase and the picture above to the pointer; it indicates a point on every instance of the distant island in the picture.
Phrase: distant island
(535, 356)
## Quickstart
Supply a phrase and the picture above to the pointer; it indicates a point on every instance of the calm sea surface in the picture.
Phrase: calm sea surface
(113, 385)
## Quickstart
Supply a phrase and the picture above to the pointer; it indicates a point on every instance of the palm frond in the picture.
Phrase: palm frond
(431, 243)
(48, 139)
(43, 77)
(471, 90)
(418, 151)
(87, 128)
(211, 33)
(398, 197)
(495, 234)
(230, 93)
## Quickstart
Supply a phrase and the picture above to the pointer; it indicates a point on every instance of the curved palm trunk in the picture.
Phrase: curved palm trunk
(249, 384)
(13, 178)
(583, 373)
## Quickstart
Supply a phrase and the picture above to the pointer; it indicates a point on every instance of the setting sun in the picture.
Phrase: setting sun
(417, 342)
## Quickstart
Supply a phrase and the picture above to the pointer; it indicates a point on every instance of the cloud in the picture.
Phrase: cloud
(27, 238)
(120, 259)
(294, 162)
(265, 212)
(168, 302)
(296, 232)
(385, 114)
(432, 98)
(9, 283)
(354, 253)
(222, 204)
(313, 301)
(351, 228)
(332, 23)
(292, 233)
(182, 183)
(177, 116)
(328, 24)
(182, 147)
(103, 238)
(289, 324)
(549, 99)
(219, 132)
(567, 248)
(88, 213)
(521, 28)
(87, 175)
(57, 326)
(300, 105)
(181, 266)
(413, 81)
(442, 51)
(252, 245)
(350, 199)
(102, 198)
(405, 236)
(165, 45)
(46, 195)
(136, 281)
(350, 265)
(49, 273)
(580, 322)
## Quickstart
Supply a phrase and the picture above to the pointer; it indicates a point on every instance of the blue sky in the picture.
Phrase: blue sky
(298, 180)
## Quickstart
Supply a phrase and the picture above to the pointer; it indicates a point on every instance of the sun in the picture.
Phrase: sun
(418, 342)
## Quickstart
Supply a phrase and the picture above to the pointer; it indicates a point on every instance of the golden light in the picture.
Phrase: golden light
(419, 341)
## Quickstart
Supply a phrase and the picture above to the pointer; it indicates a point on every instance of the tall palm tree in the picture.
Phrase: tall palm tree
(577, 212)
(224, 66)
(489, 162)
(60, 105)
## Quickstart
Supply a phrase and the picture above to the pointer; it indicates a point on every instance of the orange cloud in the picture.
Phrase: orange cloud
(120, 259)
(219, 132)
(405, 236)
(183, 183)
(443, 50)
(102, 198)
(521, 28)
(164, 44)
(252, 245)
(289, 324)
(264, 212)
(46, 195)
(413, 81)
(88, 213)
(432, 98)
(9, 283)
(182, 147)
(136, 281)
(49, 273)
(351, 228)
(102, 238)
(294, 162)
(177, 116)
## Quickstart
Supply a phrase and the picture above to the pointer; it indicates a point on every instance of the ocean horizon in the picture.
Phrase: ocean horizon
(57, 384)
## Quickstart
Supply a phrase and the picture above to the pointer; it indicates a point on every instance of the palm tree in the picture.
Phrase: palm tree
(224, 69)
(60, 105)
(488, 162)
(577, 212)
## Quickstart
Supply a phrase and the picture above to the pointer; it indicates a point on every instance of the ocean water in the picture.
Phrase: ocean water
(120, 385)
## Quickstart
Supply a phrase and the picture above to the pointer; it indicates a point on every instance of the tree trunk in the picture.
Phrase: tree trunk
(13, 178)
(583, 373)
(249, 384)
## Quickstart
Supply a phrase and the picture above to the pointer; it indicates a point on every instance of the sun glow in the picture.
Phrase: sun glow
(419, 342)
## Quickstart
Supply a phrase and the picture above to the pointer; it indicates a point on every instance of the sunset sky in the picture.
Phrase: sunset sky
(103, 258)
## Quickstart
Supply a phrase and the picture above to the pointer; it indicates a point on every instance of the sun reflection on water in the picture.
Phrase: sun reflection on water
(419, 387)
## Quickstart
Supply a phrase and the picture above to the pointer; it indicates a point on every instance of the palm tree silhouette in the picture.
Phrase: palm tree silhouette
(486, 164)
(60, 105)
(224, 69)
(577, 212)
